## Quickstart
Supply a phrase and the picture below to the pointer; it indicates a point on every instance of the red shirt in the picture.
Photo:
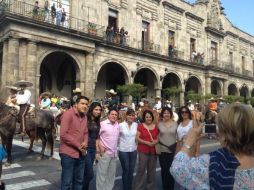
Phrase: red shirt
(144, 135)
(73, 132)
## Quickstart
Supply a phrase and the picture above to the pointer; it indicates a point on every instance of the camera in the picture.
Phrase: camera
(210, 128)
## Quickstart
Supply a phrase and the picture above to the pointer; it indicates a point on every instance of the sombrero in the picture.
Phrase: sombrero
(77, 90)
(157, 97)
(212, 99)
(46, 94)
(23, 83)
(13, 88)
(111, 91)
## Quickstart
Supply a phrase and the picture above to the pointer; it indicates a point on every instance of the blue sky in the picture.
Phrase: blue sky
(240, 13)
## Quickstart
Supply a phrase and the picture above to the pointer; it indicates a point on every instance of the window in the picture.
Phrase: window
(193, 53)
(145, 35)
(231, 58)
(214, 51)
(112, 18)
(171, 43)
(243, 64)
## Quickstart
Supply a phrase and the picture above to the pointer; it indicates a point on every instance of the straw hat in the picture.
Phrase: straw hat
(46, 94)
(111, 91)
(23, 83)
(76, 90)
(212, 99)
(158, 97)
(13, 88)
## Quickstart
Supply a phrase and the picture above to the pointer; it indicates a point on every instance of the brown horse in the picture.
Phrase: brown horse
(41, 126)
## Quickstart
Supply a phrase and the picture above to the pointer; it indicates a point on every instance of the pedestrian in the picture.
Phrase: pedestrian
(73, 144)
(63, 17)
(128, 148)
(35, 10)
(167, 143)
(58, 14)
(147, 137)
(107, 146)
(53, 13)
(46, 11)
(93, 124)
(229, 167)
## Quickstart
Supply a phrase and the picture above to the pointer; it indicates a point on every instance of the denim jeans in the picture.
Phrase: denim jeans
(72, 172)
(128, 161)
(88, 172)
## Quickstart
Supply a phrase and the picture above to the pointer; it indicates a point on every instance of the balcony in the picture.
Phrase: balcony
(26, 10)
(149, 47)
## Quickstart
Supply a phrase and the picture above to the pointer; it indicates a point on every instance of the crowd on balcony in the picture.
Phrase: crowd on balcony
(116, 35)
(197, 57)
(58, 14)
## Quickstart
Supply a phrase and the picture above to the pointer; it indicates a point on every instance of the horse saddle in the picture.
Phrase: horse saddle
(31, 113)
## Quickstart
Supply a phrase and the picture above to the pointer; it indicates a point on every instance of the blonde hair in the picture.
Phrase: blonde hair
(236, 128)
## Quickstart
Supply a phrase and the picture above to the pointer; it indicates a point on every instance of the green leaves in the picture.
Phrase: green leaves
(135, 90)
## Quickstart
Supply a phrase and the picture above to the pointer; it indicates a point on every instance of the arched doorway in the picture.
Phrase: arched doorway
(147, 78)
(232, 90)
(109, 77)
(244, 92)
(59, 72)
(193, 84)
(252, 93)
(216, 88)
(171, 81)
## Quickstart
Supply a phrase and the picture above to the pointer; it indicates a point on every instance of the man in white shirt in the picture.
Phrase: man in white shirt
(157, 105)
(23, 100)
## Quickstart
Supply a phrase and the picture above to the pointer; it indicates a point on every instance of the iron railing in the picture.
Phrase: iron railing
(149, 47)
(41, 15)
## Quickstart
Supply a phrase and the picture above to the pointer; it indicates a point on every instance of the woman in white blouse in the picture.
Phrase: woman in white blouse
(128, 148)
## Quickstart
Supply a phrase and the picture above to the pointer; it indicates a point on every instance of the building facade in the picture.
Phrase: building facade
(105, 43)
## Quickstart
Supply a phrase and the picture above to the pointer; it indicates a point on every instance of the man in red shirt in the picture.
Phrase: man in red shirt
(73, 144)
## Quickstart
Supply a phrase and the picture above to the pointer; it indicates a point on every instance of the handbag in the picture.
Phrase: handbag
(171, 148)
(157, 145)
(2, 152)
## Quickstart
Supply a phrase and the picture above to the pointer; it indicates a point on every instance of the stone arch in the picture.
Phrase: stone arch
(232, 89)
(148, 78)
(193, 83)
(108, 79)
(244, 91)
(216, 88)
(171, 80)
(252, 93)
(59, 72)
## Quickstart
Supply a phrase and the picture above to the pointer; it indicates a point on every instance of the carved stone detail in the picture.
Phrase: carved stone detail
(147, 11)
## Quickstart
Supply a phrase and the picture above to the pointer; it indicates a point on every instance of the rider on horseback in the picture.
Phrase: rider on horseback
(23, 100)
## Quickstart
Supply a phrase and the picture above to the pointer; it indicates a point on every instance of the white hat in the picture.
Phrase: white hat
(76, 90)
(157, 97)
(13, 88)
(111, 91)
(23, 83)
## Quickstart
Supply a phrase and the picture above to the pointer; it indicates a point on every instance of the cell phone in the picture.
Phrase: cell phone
(210, 129)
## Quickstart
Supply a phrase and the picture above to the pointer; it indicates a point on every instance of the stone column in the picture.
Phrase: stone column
(22, 59)
(12, 67)
(225, 88)
(158, 92)
(31, 69)
(89, 76)
(4, 64)
(181, 103)
(207, 85)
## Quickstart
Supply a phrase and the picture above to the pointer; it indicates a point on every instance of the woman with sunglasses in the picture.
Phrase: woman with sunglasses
(128, 148)
(185, 123)
(93, 124)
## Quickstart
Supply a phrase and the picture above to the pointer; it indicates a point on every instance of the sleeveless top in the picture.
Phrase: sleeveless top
(182, 131)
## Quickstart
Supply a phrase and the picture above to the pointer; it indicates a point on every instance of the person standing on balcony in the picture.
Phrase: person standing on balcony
(46, 11)
(53, 13)
(59, 15)
(63, 17)
(35, 10)
(122, 36)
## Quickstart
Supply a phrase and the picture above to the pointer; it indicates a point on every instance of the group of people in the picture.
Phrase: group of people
(197, 57)
(58, 14)
(116, 35)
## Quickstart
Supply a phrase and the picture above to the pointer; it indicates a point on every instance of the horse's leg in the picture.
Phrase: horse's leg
(31, 135)
(41, 134)
(7, 143)
(50, 138)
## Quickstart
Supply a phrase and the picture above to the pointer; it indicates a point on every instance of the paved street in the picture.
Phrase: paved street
(28, 172)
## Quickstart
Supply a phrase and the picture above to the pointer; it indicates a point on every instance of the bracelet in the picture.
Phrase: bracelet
(187, 146)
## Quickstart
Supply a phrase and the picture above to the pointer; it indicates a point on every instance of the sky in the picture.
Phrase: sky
(240, 13)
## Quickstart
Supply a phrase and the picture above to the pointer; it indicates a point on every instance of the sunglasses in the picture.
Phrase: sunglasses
(184, 112)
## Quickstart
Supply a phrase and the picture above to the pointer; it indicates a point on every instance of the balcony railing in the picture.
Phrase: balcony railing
(117, 38)
(149, 47)
(26, 10)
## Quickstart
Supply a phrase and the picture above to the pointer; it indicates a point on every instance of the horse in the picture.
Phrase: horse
(40, 125)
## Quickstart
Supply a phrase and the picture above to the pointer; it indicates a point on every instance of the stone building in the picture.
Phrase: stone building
(169, 43)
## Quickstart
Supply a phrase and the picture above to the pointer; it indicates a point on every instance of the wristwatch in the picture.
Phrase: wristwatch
(187, 146)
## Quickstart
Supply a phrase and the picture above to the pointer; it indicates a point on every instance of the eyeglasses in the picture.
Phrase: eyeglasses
(182, 112)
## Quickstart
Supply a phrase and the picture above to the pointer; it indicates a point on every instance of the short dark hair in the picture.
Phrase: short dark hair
(81, 98)
(112, 109)
(149, 112)
(130, 111)
(166, 109)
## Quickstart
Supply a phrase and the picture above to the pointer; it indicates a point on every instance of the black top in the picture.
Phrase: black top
(93, 133)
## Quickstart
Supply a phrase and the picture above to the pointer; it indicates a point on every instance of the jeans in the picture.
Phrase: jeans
(128, 161)
(72, 172)
(166, 160)
(88, 172)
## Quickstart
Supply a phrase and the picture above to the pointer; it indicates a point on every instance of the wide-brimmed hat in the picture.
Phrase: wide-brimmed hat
(157, 97)
(221, 98)
(111, 91)
(46, 94)
(23, 83)
(168, 101)
(76, 90)
(211, 99)
(13, 88)
(64, 99)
